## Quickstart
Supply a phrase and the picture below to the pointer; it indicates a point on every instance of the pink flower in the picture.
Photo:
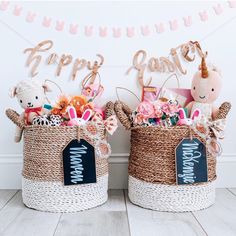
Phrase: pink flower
(165, 108)
(173, 108)
(146, 109)
(139, 119)
(157, 109)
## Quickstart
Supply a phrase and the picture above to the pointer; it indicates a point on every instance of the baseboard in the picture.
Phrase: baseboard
(11, 165)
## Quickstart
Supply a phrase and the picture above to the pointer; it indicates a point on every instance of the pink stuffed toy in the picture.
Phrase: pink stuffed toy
(206, 86)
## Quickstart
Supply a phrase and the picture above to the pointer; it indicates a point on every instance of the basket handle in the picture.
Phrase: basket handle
(123, 112)
(109, 109)
(15, 118)
(223, 110)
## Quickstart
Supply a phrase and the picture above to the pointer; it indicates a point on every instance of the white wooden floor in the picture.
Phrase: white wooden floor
(117, 217)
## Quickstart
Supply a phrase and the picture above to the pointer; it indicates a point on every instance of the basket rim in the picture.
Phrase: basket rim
(69, 128)
(183, 127)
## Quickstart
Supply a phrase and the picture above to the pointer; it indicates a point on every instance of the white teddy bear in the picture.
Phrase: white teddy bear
(31, 97)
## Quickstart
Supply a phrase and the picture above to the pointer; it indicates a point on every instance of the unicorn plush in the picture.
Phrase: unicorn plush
(206, 87)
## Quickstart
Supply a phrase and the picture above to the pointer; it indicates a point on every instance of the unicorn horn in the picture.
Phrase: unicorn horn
(204, 68)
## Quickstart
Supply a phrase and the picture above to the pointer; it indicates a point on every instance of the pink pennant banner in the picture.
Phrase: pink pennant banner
(116, 31)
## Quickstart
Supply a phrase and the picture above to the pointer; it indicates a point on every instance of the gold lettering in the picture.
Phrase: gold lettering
(78, 65)
(52, 59)
(41, 47)
(167, 65)
(177, 62)
(64, 61)
(138, 60)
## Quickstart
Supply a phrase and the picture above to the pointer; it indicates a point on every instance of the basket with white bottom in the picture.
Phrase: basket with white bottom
(55, 197)
(173, 198)
(152, 167)
(43, 186)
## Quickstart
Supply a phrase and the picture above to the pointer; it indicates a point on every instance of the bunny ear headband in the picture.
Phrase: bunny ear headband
(196, 114)
(74, 120)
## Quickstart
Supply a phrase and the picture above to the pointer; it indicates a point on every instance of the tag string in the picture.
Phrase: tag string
(190, 133)
(78, 133)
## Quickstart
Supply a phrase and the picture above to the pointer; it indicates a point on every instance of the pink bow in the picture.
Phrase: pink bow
(203, 127)
(110, 123)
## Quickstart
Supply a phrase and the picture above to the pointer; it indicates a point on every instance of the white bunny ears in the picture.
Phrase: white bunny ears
(74, 120)
(195, 114)
(183, 120)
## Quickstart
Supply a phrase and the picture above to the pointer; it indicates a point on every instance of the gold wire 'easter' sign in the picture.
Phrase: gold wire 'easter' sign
(171, 64)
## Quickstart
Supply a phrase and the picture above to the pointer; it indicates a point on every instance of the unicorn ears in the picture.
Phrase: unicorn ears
(12, 92)
(87, 114)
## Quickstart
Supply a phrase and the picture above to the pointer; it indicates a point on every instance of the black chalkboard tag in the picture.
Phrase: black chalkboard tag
(79, 164)
(191, 162)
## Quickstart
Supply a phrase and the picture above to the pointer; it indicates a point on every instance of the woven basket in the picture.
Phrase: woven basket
(152, 172)
(42, 175)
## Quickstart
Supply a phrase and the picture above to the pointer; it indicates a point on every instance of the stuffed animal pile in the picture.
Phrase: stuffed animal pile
(67, 110)
(78, 109)
(205, 89)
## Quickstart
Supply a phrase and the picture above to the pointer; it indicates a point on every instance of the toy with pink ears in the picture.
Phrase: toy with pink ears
(183, 120)
(74, 120)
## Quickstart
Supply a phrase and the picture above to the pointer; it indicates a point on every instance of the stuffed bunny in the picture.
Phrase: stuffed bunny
(183, 120)
(206, 86)
(31, 97)
(74, 120)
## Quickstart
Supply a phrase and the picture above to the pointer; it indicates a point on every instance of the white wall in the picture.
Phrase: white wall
(218, 34)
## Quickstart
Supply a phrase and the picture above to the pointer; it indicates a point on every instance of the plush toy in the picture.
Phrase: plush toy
(31, 97)
(206, 86)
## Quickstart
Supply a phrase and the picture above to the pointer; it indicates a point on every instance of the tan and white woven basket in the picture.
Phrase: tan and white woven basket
(152, 172)
(42, 175)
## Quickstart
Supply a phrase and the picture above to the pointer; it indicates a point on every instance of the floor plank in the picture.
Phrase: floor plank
(16, 219)
(108, 219)
(5, 196)
(112, 219)
(148, 222)
(100, 223)
(220, 219)
(232, 190)
(116, 202)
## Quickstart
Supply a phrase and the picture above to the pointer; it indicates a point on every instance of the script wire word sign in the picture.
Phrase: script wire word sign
(79, 164)
(191, 162)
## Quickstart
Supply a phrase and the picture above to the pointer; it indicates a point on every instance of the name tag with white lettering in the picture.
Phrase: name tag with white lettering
(79, 164)
(191, 162)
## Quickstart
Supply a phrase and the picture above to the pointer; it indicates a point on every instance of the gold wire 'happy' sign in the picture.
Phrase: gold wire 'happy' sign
(34, 59)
